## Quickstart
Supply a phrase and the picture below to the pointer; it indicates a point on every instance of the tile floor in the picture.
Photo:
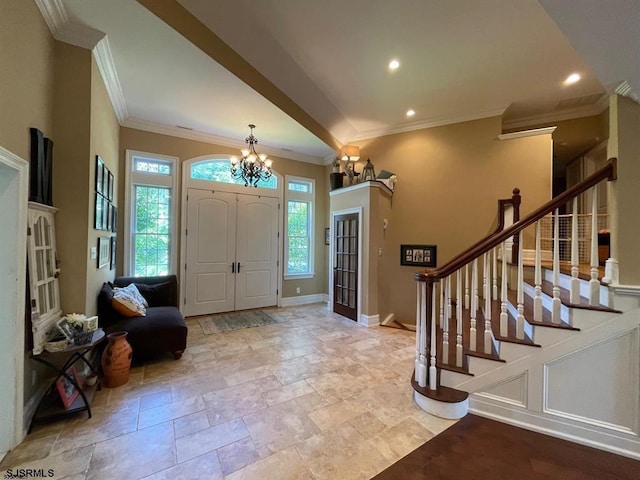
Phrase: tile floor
(314, 397)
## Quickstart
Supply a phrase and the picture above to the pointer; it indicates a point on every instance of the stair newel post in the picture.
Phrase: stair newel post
(433, 374)
(575, 282)
(474, 305)
(594, 285)
(555, 302)
(537, 299)
(418, 328)
(520, 318)
(487, 308)
(422, 367)
(504, 318)
(494, 270)
(444, 322)
(466, 286)
(459, 320)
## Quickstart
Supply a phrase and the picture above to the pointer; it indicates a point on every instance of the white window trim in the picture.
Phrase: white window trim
(301, 196)
(151, 179)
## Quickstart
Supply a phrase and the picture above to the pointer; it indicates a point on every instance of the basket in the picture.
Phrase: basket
(80, 337)
(56, 344)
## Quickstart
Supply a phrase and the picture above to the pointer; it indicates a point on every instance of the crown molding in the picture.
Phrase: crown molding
(527, 133)
(154, 127)
(63, 29)
(595, 109)
(107, 67)
(431, 123)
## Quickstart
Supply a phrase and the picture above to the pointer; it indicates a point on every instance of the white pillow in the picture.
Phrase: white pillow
(133, 291)
(126, 304)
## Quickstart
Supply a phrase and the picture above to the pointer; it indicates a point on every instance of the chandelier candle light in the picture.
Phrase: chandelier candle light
(252, 167)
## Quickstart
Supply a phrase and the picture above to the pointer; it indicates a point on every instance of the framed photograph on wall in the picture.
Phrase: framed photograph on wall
(66, 389)
(99, 175)
(418, 255)
(104, 249)
(327, 236)
(99, 212)
(114, 219)
(111, 187)
(107, 216)
(112, 264)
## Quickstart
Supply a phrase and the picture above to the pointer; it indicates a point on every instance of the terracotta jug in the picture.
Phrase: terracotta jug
(116, 360)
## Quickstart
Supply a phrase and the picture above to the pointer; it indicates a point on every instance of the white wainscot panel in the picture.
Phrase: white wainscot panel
(210, 287)
(512, 391)
(599, 385)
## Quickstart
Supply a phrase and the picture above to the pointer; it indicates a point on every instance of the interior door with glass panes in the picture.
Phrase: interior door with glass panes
(345, 265)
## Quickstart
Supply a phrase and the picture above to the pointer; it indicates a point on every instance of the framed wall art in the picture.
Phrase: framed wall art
(66, 388)
(112, 263)
(104, 249)
(418, 255)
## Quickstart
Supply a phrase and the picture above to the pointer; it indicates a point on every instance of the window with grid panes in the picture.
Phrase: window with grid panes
(299, 242)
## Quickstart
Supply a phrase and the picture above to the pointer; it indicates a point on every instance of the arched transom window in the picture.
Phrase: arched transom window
(219, 170)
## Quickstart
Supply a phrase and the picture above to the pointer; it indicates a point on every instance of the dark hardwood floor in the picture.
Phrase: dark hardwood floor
(483, 449)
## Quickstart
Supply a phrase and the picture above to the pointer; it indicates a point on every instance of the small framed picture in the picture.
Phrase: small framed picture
(65, 328)
(327, 236)
(418, 255)
(107, 211)
(99, 212)
(114, 219)
(104, 249)
(111, 187)
(112, 264)
(67, 389)
(99, 175)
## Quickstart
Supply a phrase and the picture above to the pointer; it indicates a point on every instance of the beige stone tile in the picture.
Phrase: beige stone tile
(157, 415)
(267, 383)
(335, 414)
(237, 455)
(340, 453)
(204, 467)
(336, 385)
(33, 448)
(156, 399)
(134, 455)
(233, 402)
(284, 465)
(248, 375)
(367, 424)
(191, 423)
(209, 439)
(287, 392)
(278, 427)
(63, 465)
(197, 384)
(400, 440)
(312, 401)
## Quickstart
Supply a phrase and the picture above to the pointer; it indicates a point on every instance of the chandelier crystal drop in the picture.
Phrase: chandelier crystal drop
(252, 167)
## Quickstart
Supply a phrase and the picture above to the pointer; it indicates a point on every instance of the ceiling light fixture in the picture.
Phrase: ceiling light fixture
(252, 167)
(410, 113)
(573, 78)
(394, 64)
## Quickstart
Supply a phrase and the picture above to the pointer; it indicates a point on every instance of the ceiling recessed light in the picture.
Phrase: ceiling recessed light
(410, 113)
(573, 78)
(394, 64)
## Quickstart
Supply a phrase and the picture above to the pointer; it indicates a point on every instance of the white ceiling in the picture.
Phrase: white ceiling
(460, 60)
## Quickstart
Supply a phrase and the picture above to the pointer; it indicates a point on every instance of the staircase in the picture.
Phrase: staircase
(544, 347)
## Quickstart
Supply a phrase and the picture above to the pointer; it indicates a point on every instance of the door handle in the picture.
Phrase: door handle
(233, 267)
(239, 267)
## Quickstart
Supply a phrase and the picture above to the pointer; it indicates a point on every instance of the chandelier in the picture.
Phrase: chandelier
(251, 167)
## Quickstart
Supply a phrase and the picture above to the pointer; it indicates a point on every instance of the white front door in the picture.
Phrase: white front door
(257, 252)
(232, 249)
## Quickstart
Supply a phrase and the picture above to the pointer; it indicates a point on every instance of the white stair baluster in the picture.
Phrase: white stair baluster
(474, 306)
(594, 284)
(520, 319)
(494, 255)
(488, 335)
(504, 317)
(555, 302)
(537, 299)
(418, 323)
(466, 286)
(433, 374)
(444, 322)
(459, 320)
(575, 260)
(422, 367)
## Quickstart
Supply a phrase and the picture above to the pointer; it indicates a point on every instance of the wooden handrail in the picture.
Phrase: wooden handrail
(607, 172)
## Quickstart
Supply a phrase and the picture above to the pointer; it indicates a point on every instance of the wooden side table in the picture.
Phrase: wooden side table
(50, 407)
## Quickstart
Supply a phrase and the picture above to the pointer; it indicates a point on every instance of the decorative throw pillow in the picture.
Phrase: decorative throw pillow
(133, 291)
(126, 304)
(157, 294)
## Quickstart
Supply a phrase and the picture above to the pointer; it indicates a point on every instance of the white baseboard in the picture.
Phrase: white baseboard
(388, 319)
(369, 320)
(564, 428)
(304, 299)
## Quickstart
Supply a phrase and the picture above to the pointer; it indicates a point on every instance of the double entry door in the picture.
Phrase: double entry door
(232, 250)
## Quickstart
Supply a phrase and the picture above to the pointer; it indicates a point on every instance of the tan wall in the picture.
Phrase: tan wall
(624, 144)
(105, 139)
(71, 168)
(449, 180)
(184, 149)
(26, 75)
